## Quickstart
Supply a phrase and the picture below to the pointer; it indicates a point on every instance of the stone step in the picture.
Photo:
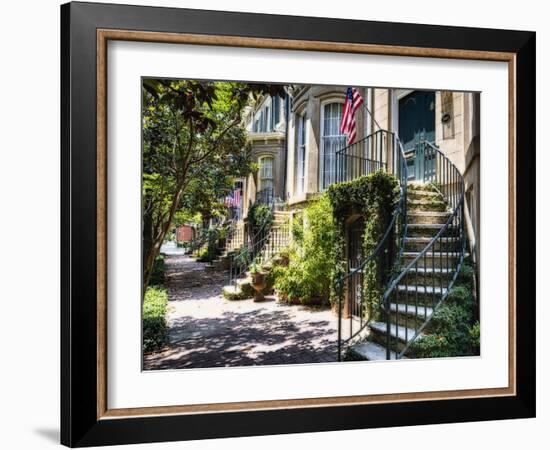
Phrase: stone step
(418, 243)
(415, 194)
(428, 230)
(432, 259)
(371, 351)
(399, 335)
(427, 275)
(418, 294)
(426, 205)
(430, 290)
(422, 230)
(409, 315)
(417, 186)
(427, 217)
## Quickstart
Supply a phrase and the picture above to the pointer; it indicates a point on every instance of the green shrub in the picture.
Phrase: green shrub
(154, 320)
(157, 275)
(259, 216)
(474, 338)
(452, 330)
(306, 277)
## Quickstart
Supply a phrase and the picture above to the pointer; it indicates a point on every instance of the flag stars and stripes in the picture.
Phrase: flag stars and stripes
(233, 198)
(352, 104)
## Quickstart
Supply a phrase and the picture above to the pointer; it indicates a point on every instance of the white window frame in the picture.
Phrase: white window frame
(323, 104)
(261, 178)
(301, 150)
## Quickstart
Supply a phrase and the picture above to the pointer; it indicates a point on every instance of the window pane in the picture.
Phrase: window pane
(276, 110)
(266, 173)
(301, 154)
(331, 142)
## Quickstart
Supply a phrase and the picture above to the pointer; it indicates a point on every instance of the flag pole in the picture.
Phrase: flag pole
(372, 115)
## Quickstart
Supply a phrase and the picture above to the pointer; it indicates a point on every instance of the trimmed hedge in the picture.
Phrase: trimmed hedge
(154, 318)
(157, 275)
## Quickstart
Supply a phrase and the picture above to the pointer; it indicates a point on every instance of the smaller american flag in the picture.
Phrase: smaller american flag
(352, 104)
(233, 198)
(228, 201)
(237, 197)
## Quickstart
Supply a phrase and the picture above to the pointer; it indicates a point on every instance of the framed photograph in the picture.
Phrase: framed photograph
(278, 224)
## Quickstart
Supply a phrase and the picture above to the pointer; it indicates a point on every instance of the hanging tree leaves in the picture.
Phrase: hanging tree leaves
(194, 145)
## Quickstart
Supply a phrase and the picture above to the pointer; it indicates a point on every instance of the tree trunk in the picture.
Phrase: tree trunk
(153, 241)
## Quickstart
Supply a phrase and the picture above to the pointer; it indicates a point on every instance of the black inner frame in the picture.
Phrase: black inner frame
(79, 425)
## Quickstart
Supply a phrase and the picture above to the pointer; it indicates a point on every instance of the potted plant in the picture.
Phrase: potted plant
(258, 282)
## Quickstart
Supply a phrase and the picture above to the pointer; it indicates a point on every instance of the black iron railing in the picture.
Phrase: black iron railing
(365, 156)
(413, 296)
(260, 248)
(351, 299)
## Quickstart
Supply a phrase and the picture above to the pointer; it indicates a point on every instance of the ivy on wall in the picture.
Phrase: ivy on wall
(373, 197)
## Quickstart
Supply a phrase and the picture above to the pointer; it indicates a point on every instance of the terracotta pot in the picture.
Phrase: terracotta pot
(258, 283)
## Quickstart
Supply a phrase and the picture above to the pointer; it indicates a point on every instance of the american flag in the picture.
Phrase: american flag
(233, 198)
(348, 125)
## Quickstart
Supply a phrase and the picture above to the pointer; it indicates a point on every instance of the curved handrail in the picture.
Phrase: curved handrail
(399, 167)
(451, 186)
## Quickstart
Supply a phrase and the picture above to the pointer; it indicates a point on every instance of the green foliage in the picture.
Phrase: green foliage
(254, 268)
(316, 263)
(210, 250)
(246, 291)
(259, 216)
(374, 198)
(157, 276)
(154, 320)
(194, 145)
(307, 277)
(187, 217)
(452, 330)
(475, 337)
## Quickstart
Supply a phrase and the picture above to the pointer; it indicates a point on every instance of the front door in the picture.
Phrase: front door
(355, 258)
(416, 125)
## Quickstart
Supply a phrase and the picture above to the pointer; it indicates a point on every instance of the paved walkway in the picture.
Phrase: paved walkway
(170, 248)
(205, 330)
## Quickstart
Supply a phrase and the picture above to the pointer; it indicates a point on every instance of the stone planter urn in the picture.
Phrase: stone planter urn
(258, 283)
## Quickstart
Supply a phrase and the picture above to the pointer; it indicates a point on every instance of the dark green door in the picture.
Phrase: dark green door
(417, 124)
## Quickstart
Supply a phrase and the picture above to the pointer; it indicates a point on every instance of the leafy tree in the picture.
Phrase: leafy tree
(194, 144)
